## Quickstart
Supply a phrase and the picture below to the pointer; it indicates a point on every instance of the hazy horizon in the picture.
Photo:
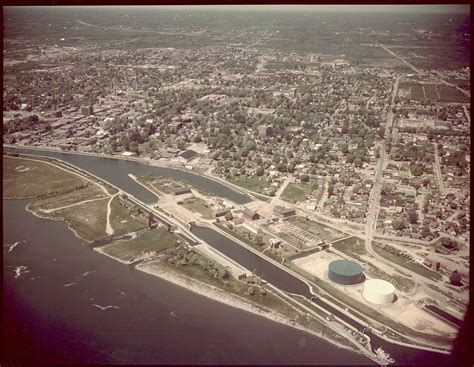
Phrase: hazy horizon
(342, 8)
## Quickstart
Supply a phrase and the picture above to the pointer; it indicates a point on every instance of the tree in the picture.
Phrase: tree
(412, 216)
(455, 278)
(304, 178)
(416, 169)
(425, 232)
(259, 171)
(398, 224)
(228, 216)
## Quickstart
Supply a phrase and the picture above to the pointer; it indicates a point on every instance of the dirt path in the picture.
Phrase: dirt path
(108, 228)
(69, 206)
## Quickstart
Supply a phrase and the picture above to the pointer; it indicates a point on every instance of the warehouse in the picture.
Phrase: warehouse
(345, 272)
(379, 291)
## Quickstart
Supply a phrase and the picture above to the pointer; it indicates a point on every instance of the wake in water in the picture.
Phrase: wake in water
(173, 314)
(87, 273)
(12, 246)
(19, 270)
(69, 284)
(103, 308)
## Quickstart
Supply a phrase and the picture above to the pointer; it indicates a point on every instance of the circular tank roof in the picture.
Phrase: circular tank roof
(380, 286)
(345, 267)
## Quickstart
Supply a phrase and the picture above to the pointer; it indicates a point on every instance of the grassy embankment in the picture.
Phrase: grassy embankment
(254, 183)
(394, 256)
(295, 192)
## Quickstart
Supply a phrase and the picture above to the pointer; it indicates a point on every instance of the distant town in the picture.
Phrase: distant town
(359, 159)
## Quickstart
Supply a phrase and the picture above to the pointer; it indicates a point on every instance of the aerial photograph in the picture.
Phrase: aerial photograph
(236, 184)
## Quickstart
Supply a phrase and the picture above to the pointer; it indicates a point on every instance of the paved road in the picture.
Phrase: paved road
(437, 169)
(402, 59)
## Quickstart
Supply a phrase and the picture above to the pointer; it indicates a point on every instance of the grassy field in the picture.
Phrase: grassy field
(88, 219)
(408, 264)
(157, 239)
(352, 246)
(89, 192)
(119, 214)
(254, 183)
(31, 182)
(326, 233)
(296, 192)
(198, 205)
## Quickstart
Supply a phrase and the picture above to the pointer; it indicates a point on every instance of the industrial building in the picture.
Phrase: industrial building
(345, 272)
(379, 291)
(283, 212)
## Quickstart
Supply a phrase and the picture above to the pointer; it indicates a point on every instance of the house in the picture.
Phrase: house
(250, 214)
(283, 212)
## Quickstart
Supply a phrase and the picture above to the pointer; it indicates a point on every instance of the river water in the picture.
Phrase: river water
(50, 317)
(116, 172)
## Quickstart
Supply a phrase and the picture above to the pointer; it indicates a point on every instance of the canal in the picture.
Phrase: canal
(116, 171)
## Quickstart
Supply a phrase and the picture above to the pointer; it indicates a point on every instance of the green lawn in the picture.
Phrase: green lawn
(351, 246)
(408, 264)
(157, 239)
(253, 183)
(296, 192)
(198, 205)
(40, 178)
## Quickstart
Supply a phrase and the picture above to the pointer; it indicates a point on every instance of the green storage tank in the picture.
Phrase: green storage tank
(345, 272)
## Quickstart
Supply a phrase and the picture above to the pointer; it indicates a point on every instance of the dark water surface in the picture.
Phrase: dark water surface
(51, 319)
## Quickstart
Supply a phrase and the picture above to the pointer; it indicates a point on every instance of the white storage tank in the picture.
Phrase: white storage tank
(379, 291)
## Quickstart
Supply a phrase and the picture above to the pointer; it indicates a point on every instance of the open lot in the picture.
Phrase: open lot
(197, 205)
(295, 192)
